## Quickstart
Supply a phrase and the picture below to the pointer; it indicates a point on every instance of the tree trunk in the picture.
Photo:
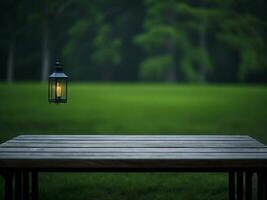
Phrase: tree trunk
(45, 43)
(202, 76)
(203, 45)
(170, 75)
(10, 62)
(107, 75)
(45, 56)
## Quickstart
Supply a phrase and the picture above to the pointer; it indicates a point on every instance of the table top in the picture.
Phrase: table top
(133, 152)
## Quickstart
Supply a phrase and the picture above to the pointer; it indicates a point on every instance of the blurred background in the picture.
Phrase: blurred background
(134, 67)
(139, 40)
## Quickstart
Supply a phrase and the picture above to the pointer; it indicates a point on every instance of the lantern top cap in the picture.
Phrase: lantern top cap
(58, 73)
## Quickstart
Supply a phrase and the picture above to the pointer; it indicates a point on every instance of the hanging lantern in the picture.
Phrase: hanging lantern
(57, 85)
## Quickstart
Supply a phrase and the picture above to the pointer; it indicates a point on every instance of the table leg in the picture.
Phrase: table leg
(248, 183)
(8, 177)
(231, 185)
(265, 186)
(260, 186)
(35, 185)
(18, 186)
(25, 186)
(239, 185)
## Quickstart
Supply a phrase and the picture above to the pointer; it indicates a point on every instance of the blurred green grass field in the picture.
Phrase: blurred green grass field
(134, 109)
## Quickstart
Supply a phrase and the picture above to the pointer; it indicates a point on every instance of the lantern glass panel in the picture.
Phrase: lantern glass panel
(57, 90)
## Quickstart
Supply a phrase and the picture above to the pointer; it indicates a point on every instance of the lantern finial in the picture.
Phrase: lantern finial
(58, 66)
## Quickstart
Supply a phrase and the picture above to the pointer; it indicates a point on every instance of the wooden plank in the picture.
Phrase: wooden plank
(130, 158)
(77, 155)
(138, 151)
(129, 140)
(135, 153)
(132, 137)
(133, 164)
(131, 144)
(135, 150)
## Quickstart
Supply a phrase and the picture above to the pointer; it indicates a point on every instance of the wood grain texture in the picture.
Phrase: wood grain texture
(134, 138)
(133, 151)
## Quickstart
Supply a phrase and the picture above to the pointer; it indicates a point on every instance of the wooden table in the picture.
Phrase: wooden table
(23, 157)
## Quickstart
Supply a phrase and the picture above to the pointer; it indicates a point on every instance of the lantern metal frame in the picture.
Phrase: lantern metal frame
(56, 78)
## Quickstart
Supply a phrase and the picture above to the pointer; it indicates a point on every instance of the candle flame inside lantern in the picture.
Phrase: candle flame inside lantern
(58, 90)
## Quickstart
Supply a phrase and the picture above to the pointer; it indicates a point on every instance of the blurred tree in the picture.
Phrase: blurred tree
(106, 45)
(245, 33)
(160, 40)
(51, 10)
(106, 53)
(197, 20)
(79, 37)
(203, 44)
(167, 30)
(45, 40)
(14, 14)
(186, 40)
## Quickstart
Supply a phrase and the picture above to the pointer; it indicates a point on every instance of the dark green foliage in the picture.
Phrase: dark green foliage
(167, 30)
(106, 50)
(244, 33)
(153, 40)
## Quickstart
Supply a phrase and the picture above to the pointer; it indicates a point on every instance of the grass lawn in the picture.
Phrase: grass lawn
(134, 109)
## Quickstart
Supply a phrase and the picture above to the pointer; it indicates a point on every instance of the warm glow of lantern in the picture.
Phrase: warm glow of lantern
(58, 90)
(57, 85)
